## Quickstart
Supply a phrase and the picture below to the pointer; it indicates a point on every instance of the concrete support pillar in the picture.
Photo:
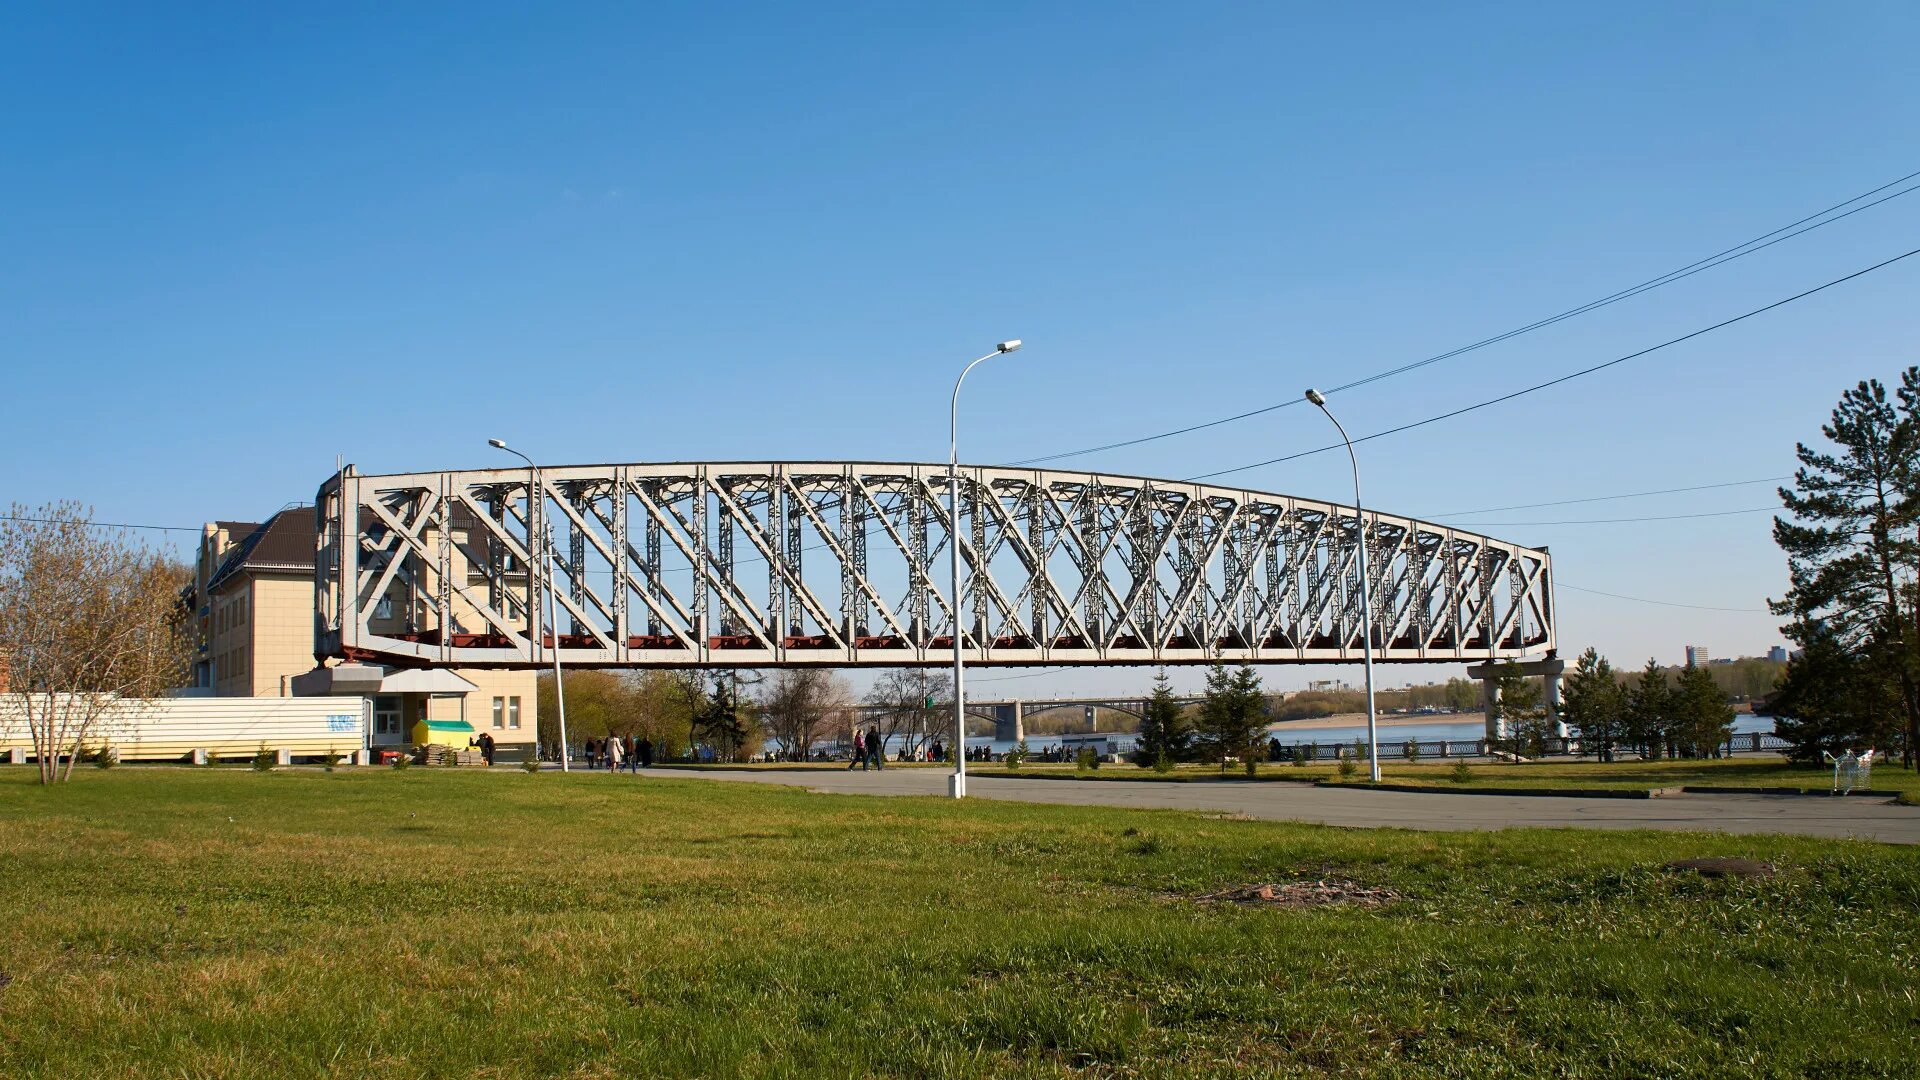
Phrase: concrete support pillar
(363, 756)
(283, 757)
(197, 757)
(16, 756)
(1552, 680)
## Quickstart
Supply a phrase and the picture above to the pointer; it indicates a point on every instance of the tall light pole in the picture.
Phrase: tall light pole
(1366, 594)
(535, 494)
(957, 784)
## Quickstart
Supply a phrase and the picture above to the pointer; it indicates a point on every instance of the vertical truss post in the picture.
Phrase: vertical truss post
(1037, 540)
(653, 568)
(1093, 569)
(576, 561)
(622, 616)
(976, 581)
(919, 577)
(700, 588)
(796, 547)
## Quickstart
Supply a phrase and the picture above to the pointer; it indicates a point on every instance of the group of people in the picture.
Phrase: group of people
(633, 751)
(869, 750)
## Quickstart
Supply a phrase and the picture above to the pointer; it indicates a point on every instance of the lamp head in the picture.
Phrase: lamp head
(496, 444)
(1007, 346)
(1316, 397)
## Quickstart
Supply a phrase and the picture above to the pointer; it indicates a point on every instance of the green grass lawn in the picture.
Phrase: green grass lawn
(1727, 772)
(368, 923)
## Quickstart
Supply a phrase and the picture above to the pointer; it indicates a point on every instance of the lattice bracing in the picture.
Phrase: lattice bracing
(845, 563)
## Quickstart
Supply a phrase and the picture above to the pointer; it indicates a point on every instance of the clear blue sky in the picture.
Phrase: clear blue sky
(237, 243)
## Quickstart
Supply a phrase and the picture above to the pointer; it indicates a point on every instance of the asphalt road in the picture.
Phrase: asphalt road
(1867, 818)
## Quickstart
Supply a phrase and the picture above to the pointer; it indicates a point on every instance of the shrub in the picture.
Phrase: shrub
(530, 764)
(1313, 751)
(1017, 756)
(1411, 750)
(1086, 760)
(1348, 768)
(402, 763)
(1460, 774)
(1359, 749)
(103, 758)
(1162, 763)
(263, 759)
(1299, 759)
(1253, 766)
(332, 759)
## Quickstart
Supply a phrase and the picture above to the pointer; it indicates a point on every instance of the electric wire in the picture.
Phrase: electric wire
(1625, 520)
(1662, 603)
(1604, 498)
(1758, 243)
(1570, 376)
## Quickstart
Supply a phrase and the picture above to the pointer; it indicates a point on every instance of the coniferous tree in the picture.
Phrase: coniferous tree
(1593, 704)
(1701, 718)
(1647, 711)
(1233, 714)
(1519, 711)
(1163, 732)
(1851, 548)
(1831, 701)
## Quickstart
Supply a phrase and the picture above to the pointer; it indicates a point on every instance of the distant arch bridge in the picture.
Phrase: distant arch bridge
(765, 564)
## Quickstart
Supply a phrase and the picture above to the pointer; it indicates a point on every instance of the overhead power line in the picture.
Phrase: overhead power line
(1758, 243)
(1570, 376)
(1606, 498)
(1624, 520)
(1662, 603)
(96, 524)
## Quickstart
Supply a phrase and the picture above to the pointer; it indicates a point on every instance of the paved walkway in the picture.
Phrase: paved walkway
(1871, 819)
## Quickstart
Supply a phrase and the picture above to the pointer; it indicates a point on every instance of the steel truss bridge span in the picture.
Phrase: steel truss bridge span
(845, 564)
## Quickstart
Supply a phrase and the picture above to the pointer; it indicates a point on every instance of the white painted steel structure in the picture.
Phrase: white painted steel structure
(748, 564)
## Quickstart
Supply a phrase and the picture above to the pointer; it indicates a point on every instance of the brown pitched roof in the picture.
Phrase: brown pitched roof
(285, 542)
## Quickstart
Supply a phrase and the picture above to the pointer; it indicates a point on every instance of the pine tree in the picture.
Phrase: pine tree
(1647, 711)
(1701, 717)
(1233, 714)
(1163, 733)
(1593, 704)
(1831, 701)
(1520, 711)
(1851, 550)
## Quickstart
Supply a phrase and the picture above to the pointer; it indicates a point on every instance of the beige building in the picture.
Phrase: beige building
(253, 602)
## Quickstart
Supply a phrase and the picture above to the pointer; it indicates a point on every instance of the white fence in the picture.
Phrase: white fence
(171, 729)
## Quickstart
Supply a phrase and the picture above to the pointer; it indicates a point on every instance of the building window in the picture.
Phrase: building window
(513, 713)
(499, 709)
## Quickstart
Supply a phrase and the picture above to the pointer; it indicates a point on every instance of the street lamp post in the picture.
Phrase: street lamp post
(1366, 596)
(536, 493)
(957, 784)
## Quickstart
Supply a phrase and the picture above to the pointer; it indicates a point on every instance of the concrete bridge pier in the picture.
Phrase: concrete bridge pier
(1010, 721)
(1549, 670)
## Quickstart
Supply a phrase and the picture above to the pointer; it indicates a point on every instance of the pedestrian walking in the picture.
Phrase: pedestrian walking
(613, 753)
(632, 749)
(486, 749)
(859, 751)
(876, 749)
(644, 751)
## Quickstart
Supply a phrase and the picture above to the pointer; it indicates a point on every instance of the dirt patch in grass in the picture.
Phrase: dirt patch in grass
(1325, 892)
(1724, 867)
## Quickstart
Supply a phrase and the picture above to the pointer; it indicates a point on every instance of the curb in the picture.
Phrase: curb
(1556, 793)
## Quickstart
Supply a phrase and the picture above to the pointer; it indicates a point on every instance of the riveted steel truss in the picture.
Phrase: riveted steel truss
(843, 563)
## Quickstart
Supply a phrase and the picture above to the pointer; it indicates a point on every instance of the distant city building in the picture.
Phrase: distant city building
(1697, 656)
(1777, 654)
